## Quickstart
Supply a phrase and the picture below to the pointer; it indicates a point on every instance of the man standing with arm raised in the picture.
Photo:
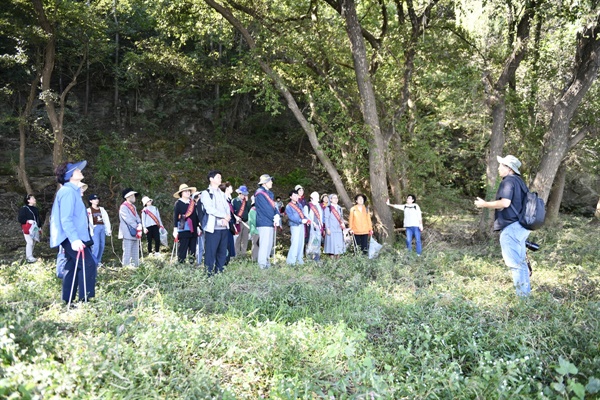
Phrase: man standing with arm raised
(506, 219)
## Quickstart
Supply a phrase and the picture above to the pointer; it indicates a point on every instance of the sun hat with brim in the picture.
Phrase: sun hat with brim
(298, 187)
(71, 167)
(242, 190)
(128, 192)
(182, 188)
(511, 162)
(265, 178)
(145, 200)
(83, 187)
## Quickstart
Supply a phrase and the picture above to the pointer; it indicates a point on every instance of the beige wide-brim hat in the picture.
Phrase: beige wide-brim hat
(145, 199)
(183, 187)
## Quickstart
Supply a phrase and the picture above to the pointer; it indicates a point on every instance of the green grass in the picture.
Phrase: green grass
(446, 325)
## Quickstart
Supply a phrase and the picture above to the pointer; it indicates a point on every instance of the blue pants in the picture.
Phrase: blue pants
(70, 273)
(215, 250)
(99, 242)
(296, 252)
(413, 231)
(512, 242)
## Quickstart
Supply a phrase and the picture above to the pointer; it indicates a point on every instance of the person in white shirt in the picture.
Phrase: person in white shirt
(151, 224)
(99, 222)
(413, 221)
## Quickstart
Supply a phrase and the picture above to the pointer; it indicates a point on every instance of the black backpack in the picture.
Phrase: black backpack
(533, 212)
(201, 211)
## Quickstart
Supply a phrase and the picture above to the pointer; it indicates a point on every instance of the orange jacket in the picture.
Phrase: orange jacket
(360, 220)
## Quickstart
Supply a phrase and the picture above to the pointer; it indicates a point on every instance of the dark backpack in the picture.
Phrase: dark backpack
(201, 211)
(533, 212)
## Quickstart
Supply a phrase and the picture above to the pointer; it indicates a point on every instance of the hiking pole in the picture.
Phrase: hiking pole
(74, 276)
(355, 244)
(141, 250)
(175, 245)
(274, 243)
(84, 283)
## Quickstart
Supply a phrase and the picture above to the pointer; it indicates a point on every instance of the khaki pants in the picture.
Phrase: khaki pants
(241, 241)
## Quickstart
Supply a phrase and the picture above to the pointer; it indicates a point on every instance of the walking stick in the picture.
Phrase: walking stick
(84, 283)
(141, 250)
(274, 242)
(74, 276)
(175, 245)
(355, 244)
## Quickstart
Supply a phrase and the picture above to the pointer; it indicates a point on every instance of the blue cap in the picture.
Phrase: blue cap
(72, 167)
(243, 190)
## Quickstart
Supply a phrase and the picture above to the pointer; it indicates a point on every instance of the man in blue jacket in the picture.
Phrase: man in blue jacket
(69, 228)
(267, 219)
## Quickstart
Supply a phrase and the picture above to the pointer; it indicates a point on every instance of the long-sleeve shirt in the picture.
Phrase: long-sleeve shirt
(103, 215)
(412, 214)
(147, 219)
(68, 218)
(330, 220)
(237, 206)
(360, 220)
(28, 213)
(127, 218)
(252, 221)
(265, 209)
(179, 210)
(216, 206)
(294, 218)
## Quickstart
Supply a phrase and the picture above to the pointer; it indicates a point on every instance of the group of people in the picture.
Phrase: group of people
(207, 224)
(212, 225)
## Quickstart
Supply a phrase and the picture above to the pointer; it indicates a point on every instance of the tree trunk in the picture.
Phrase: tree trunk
(497, 94)
(496, 144)
(377, 147)
(558, 140)
(49, 98)
(21, 169)
(556, 194)
(291, 102)
(116, 88)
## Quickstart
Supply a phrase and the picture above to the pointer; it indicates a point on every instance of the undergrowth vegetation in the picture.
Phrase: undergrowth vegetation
(445, 325)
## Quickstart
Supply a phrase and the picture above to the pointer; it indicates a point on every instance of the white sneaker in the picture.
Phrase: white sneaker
(31, 260)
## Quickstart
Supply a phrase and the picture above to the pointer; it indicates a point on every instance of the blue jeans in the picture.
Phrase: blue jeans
(99, 242)
(512, 242)
(416, 232)
(296, 252)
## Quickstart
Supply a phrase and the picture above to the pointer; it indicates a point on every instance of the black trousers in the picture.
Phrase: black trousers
(363, 242)
(153, 234)
(187, 243)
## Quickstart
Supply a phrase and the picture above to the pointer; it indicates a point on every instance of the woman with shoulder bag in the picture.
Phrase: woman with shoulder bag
(29, 217)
